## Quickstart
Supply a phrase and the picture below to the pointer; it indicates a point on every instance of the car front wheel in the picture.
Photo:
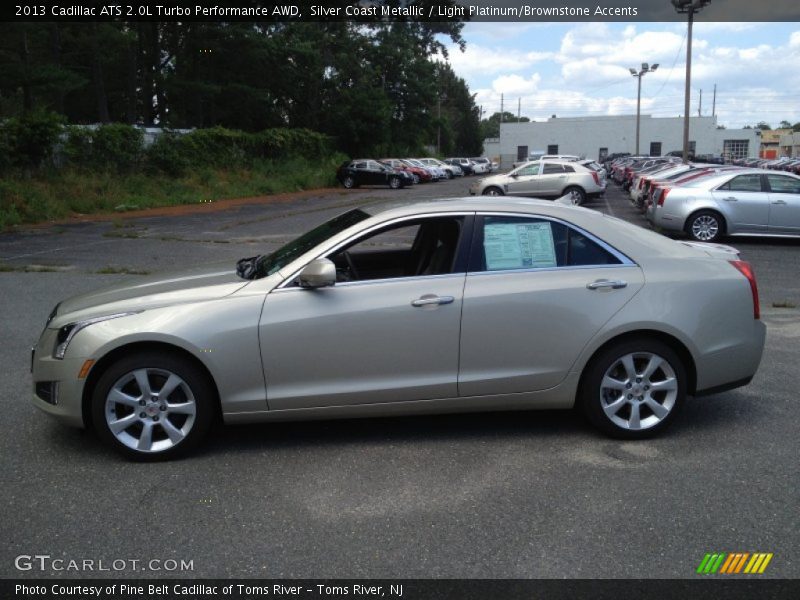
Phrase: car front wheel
(152, 406)
(493, 191)
(633, 389)
(349, 182)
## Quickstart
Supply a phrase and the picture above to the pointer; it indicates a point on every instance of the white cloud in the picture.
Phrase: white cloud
(479, 60)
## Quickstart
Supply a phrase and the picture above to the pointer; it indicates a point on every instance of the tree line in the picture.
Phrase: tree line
(373, 87)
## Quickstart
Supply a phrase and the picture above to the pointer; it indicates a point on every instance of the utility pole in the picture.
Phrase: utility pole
(689, 7)
(519, 108)
(438, 124)
(714, 102)
(639, 74)
(501, 108)
(700, 108)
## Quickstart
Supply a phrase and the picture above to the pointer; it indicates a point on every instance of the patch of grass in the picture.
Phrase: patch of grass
(784, 304)
(59, 194)
(122, 234)
(121, 271)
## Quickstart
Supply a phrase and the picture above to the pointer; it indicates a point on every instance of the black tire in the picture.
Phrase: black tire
(449, 174)
(493, 191)
(597, 400)
(705, 226)
(574, 189)
(395, 183)
(349, 182)
(198, 393)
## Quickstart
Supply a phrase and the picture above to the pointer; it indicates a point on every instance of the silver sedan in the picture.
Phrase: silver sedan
(742, 202)
(463, 305)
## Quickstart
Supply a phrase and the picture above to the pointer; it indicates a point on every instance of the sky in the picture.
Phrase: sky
(582, 69)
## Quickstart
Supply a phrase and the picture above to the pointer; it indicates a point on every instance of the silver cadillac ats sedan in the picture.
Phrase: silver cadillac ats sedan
(452, 306)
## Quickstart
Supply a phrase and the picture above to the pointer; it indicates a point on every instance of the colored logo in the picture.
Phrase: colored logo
(734, 563)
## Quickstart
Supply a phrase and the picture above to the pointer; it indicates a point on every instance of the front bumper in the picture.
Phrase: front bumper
(67, 405)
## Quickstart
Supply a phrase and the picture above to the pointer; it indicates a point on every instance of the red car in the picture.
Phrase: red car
(417, 173)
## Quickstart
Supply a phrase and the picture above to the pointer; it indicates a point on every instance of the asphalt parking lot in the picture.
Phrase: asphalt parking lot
(528, 495)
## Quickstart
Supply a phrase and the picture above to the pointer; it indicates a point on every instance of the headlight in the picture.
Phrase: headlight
(68, 331)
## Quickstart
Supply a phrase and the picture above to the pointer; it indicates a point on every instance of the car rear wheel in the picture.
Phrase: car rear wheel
(705, 226)
(577, 194)
(394, 182)
(349, 182)
(152, 406)
(493, 191)
(449, 174)
(633, 389)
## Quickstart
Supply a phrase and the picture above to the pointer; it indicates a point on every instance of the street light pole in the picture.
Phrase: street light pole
(689, 7)
(639, 74)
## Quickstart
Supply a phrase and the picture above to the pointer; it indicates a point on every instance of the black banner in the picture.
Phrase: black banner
(405, 589)
(403, 10)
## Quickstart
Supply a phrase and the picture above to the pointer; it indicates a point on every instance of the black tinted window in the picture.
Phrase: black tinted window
(550, 169)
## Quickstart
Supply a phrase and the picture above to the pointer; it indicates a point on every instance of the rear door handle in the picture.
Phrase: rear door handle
(432, 300)
(779, 202)
(605, 283)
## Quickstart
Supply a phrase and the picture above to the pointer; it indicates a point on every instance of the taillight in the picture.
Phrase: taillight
(641, 182)
(663, 196)
(596, 177)
(745, 269)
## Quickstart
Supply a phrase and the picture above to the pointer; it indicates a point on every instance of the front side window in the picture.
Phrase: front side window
(412, 248)
(528, 171)
(519, 243)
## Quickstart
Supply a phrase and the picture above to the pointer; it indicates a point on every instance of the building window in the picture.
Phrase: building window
(692, 148)
(552, 149)
(655, 148)
(603, 155)
(522, 153)
(733, 149)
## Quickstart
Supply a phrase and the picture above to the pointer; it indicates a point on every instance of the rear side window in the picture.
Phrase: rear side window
(518, 243)
(780, 184)
(551, 169)
(568, 169)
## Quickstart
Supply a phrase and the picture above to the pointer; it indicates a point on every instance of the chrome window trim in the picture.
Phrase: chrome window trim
(624, 259)
(285, 283)
(377, 281)
(546, 269)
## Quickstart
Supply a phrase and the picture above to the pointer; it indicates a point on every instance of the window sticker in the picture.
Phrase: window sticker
(518, 246)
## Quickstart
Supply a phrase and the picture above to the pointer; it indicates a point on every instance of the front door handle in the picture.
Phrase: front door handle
(731, 199)
(432, 300)
(779, 202)
(605, 283)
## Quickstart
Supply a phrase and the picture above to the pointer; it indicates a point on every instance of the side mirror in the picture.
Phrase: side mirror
(318, 273)
(513, 175)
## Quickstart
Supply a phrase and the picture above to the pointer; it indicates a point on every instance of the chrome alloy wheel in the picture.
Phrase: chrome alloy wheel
(150, 410)
(705, 227)
(638, 391)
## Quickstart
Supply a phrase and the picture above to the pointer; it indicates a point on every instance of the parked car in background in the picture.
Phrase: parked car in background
(437, 173)
(569, 157)
(488, 304)
(366, 171)
(417, 173)
(465, 164)
(543, 179)
(488, 166)
(740, 202)
(450, 171)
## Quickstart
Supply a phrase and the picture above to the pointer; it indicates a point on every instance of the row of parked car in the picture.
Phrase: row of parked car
(708, 201)
(401, 172)
(787, 163)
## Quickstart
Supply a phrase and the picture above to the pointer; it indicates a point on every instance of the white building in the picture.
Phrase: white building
(596, 137)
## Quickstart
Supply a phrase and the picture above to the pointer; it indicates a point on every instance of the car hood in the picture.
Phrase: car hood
(205, 283)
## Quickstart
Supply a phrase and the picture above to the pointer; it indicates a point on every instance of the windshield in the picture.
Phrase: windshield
(267, 264)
